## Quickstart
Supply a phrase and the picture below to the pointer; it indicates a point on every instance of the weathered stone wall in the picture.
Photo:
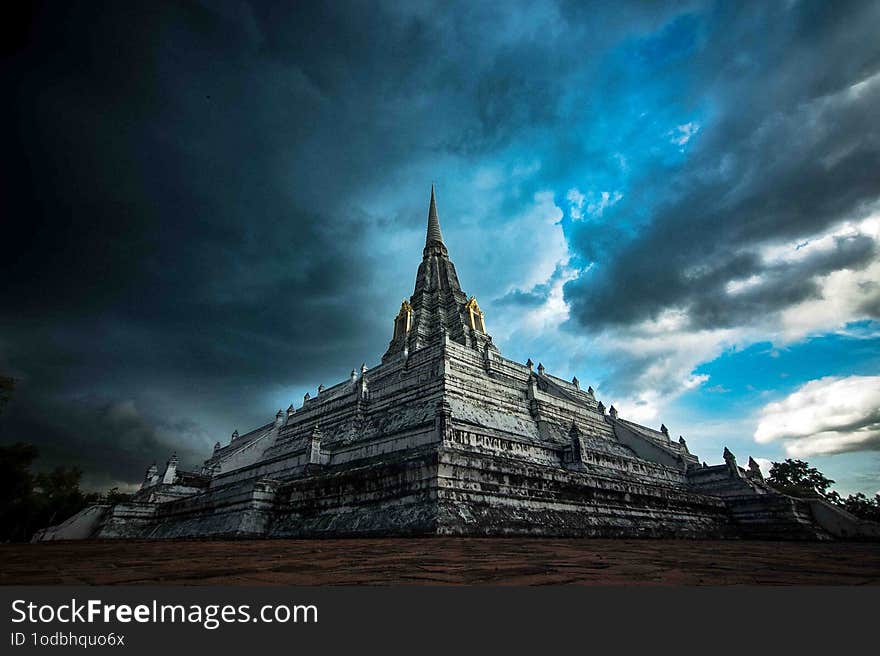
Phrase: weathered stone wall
(774, 517)
(490, 495)
(392, 495)
(242, 509)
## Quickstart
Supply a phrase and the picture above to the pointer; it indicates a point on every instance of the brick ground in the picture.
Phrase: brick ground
(440, 561)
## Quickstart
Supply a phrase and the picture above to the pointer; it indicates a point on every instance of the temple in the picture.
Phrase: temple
(447, 436)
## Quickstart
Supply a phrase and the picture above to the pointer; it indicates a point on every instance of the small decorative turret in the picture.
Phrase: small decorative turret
(601, 408)
(613, 412)
(683, 443)
(315, 457)
(234, 436)
(576, 382)
(354, 376)
(487, 354)
(170, 470)
(540, 369)
(530, 364)
(730, 461)
(290, 411)
(590, 390)
(151, 476)
(279, 417)
(755, 469)
(320, 388)
(217, 446)
(306, 397)
(664, 430)
(363, 388)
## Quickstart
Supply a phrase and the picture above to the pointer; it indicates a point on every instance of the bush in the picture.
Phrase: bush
(30, 502)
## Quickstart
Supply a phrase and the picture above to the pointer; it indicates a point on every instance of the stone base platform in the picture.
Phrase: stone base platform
(441, 561)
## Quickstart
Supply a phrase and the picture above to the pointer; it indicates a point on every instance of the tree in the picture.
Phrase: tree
(113, 496)
(59, 495)
(16, 490)
(861, 506)
(797, 478)
(30, 502)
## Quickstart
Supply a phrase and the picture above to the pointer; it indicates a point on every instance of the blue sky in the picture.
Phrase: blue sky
(678, 203)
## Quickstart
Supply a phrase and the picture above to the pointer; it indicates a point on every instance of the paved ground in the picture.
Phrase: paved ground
(441, 561)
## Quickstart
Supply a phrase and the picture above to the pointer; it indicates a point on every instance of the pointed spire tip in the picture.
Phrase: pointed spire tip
(434, 233)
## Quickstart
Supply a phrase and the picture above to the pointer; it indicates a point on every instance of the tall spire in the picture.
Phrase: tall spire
(438, 309)
(434, 233)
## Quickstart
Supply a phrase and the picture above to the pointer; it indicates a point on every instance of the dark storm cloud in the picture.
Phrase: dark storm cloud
(520, 298)
(111, 440)
(185, 233)
(791, 147)
(159, 238)
(779, 286)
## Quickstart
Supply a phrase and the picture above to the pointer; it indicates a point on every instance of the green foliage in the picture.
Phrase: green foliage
(113, 495)
(797, 478)
(29, 502)
(861, 506)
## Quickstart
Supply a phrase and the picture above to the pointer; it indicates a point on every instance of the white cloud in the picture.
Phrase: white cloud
(826, 242)
(603, 201)
(543, 319)
(538, 225)
(575, 203)
(738, 286)
(845, 296)
(665, 353)
(531, 247)
(824, 416)
(546, 266)
(595, 203)
(683, 133)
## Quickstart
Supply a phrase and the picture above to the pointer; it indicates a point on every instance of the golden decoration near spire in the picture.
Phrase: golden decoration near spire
(475, 314)
(403, 320)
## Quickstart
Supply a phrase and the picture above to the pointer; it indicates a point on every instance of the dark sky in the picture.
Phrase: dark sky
(210, 208)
